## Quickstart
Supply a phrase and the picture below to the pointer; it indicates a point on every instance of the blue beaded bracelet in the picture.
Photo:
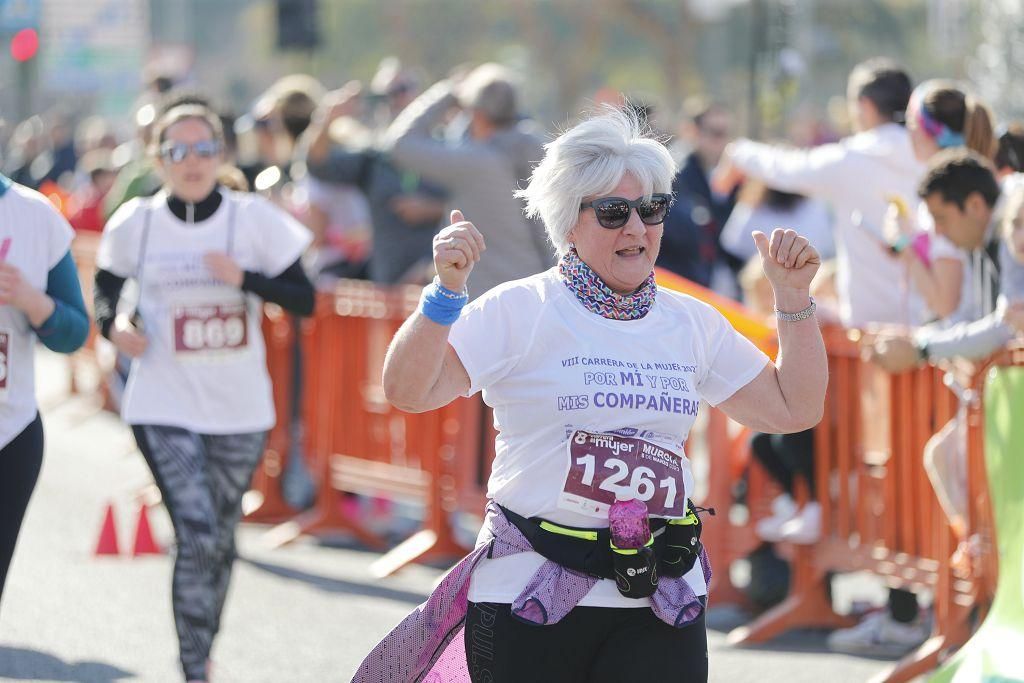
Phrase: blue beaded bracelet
(441, 304)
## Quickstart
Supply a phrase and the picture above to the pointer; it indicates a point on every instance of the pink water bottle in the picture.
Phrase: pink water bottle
(627, 521)
(633, 559)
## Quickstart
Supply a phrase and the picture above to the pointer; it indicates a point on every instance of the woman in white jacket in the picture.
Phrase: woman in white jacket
(855, 176)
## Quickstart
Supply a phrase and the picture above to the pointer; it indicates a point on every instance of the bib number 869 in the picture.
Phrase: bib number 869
(213, 333)
(642, 482)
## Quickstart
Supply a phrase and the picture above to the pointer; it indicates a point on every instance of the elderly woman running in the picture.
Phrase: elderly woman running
(595, 375)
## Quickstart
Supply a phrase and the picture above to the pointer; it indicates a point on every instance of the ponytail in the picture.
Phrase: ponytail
(979, 132)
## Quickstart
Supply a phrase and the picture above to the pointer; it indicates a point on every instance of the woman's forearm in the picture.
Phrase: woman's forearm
(802, 366)
(38, 308)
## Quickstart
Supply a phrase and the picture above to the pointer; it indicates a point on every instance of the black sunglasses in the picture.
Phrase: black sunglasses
(613, 212)
(175, 152)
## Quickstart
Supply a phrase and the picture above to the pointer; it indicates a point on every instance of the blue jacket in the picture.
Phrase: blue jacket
(690, 245)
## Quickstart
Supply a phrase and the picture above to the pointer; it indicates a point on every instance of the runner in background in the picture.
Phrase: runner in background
(40, 298)
(198, 396)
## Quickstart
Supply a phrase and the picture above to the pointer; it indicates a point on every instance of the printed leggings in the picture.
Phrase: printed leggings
(589, 645)
(202, 478)
(20, 461)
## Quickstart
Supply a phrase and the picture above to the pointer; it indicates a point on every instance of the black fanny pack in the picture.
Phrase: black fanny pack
(674, 548)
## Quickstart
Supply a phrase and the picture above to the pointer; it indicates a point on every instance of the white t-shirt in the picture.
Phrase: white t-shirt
(549, 367)
(39, 238)
(204, 368)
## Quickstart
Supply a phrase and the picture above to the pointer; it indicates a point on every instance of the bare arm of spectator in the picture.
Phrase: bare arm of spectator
(412, 146)
(315, 143)
(324, 160)
(417, 208)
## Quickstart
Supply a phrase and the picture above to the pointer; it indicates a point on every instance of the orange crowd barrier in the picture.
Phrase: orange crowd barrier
(359, 444)
(879, 511)
(265, 502)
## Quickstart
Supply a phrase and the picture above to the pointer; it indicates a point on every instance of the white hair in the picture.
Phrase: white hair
(589, 160)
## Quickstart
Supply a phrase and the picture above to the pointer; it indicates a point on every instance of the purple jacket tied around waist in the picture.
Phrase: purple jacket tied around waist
(427, 646)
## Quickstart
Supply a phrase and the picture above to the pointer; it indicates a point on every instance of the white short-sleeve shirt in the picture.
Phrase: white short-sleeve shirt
(39, 238)
(204, 368)
(549, 367)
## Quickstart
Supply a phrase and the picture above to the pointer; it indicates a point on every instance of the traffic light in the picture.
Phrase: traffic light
(297, 24)
(25, 44)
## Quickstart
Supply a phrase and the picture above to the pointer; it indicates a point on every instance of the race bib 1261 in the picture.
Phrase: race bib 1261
(602, 465)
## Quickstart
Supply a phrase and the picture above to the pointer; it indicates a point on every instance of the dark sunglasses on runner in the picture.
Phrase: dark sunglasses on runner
(175, 152)
(613, 212)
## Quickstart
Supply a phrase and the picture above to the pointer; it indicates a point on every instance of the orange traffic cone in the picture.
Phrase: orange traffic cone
(144, 541)
(107, 544)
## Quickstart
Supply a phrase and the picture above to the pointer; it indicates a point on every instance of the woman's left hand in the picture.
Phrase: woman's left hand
(224, 268)
(789, 261)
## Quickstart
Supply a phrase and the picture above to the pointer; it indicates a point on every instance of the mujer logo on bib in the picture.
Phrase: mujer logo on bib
(602, 465)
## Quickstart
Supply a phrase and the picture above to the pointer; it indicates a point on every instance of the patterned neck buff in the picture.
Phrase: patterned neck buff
(598, 297)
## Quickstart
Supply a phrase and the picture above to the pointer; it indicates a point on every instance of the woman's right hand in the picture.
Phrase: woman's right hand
(127, 338)
(456, 249)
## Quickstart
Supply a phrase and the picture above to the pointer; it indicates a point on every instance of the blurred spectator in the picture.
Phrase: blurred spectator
(339, 215)
(24, 147)
(482, 171)
(256, 144)
(961, 192)
(1010, 151)
(759, 207)
(392, 88)
(92, 133)
(138, 176)
(59, 159)
(690, 245)
(86, 211)
(278, 118)
(855, 177)
(940, 116)
(405, 211)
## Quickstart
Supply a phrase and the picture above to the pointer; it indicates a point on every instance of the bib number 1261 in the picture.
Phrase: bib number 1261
(603, 466)
(642, 481)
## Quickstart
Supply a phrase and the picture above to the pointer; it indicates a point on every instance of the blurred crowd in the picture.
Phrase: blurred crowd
(918, 209)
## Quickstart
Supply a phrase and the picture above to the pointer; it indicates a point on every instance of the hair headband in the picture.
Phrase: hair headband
(943, 135)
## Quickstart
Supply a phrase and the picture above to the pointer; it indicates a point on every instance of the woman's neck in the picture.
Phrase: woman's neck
(195, 212)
